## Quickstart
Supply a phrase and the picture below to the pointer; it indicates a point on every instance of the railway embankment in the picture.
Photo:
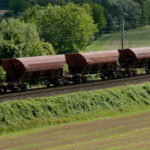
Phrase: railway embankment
(37, 112)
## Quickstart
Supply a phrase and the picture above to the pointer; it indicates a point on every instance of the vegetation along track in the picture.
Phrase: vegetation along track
(74, 88)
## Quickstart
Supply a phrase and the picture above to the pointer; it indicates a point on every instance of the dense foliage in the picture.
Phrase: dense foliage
(20, 39)
(70, 25)
(18, 5)
(4, 4)
(68, 28)
(98, 16)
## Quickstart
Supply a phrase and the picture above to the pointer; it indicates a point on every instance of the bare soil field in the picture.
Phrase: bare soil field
(130, 132)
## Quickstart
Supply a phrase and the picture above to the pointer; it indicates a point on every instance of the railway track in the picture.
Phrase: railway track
(74, 88)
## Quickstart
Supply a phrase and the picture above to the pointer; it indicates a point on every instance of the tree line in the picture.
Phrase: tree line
(41, 27)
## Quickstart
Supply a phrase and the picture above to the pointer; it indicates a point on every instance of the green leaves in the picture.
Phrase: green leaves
(19, 39)
(69, 28)
(2, 74)
(17, 5)
(98, 16)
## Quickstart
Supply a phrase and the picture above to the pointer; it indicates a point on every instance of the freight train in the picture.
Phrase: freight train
(111, 64)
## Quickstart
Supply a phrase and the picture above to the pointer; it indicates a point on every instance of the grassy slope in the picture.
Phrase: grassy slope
(133, 38)
(15, 115)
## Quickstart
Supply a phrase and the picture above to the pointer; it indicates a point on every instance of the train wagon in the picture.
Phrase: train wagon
(40, 68)
(103, 62)
(135, 58)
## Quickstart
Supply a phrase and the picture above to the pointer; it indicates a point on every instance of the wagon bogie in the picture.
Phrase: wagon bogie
(3, 87)
(147, 69)
(2, 90)
(84, 79)
(102, 76)
(110, 75)
(16, 87)
(58, 81)
(76, 79)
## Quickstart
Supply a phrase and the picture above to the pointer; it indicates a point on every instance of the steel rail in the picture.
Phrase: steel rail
(97, 84)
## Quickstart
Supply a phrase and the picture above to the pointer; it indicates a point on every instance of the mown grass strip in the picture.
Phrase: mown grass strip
(36, 112)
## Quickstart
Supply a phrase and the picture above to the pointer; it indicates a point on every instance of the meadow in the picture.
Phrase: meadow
(139, 37)
(129, 131)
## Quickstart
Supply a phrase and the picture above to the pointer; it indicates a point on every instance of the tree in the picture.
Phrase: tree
(116, 10)
(17, 5)
(145, 8)
(31, 15)
(69, 28)
(4, 4)
(98, 15)
(85, 1)
(20, 39)
(60, 2)
(45, 2)
(132, 18)
(39, 2)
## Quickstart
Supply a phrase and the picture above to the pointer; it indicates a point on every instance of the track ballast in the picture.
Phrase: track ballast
(91, 85)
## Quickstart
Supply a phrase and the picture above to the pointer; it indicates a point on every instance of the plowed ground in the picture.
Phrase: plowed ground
(131, 132)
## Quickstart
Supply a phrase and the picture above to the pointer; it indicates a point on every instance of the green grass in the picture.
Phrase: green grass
(30, 113)
(139, 37)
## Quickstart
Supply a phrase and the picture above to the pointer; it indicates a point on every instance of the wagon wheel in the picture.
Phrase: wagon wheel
(147, 70)
(66, 82)
(56, 83)
(84, 79)
(123, 75)
(23, 89)
(114, 76)
(1, 90)
(48, 85)
(102, 76)
(76, 80)
(128, 74)
(134, 73)
(14, 90)
(4, 89)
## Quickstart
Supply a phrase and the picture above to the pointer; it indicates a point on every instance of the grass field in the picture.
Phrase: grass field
(133, 38)
(37, 112)
(129, 132)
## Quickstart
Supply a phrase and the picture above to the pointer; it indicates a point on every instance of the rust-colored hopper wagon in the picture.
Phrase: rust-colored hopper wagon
(135, 58)
(40, 68)
(103, 62)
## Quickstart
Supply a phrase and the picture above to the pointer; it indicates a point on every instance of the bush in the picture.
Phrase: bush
(19, 39)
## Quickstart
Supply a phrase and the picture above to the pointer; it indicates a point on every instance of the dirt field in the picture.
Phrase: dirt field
(131, 132)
